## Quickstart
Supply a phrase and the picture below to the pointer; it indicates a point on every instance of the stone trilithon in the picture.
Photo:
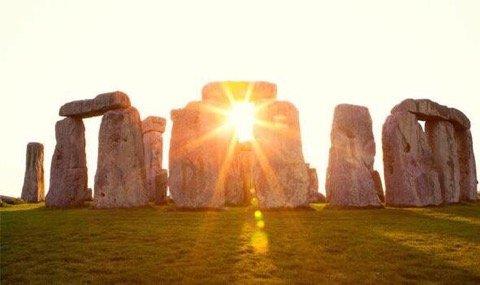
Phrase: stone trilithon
(210, 168)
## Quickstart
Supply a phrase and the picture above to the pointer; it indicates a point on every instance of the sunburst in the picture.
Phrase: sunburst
(240, 122)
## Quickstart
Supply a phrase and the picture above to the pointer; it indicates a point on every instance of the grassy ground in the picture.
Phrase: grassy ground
(158, 244)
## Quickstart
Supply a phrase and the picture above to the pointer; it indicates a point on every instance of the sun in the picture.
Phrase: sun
(241, 117)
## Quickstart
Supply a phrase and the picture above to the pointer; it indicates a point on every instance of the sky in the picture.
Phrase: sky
(161, 53)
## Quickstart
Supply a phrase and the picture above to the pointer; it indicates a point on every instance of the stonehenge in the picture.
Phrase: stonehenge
(432, 166)
(211, 167)
(33, 190)
(208, 166)
(351, 180)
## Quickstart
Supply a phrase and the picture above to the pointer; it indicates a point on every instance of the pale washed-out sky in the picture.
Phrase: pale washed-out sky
(161, 53)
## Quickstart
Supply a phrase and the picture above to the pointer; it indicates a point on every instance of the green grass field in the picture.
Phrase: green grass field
(159, 244)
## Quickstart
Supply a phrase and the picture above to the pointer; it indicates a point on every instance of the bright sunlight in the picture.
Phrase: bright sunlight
(242, 117)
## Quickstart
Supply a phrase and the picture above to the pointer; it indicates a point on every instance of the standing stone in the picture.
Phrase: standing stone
(68, 172)
(411, 178)
(350, 175)
(279, 172)
(197, 152)
(153, 128)
(33, 183)
(468, 172)
(120, 177)
(161, 181)
(441, 138)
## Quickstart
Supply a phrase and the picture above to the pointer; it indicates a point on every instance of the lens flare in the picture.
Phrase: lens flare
(242, 118)
(258, 215)
(260, 224)
(259, 242)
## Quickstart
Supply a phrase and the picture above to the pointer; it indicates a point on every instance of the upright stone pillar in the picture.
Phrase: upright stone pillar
(411, 179)
(153, 129)
(68, 172)
(33, 190)
(197, 150)
(350, 174)
(280, 175)
(441, 138)
(468, 169)
(120, 177)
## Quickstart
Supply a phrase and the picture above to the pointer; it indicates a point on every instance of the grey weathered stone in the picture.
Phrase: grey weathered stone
(120, 177)
(153, 127)
(196, 155)
(280, 175)
(441, 138)
(33, 190)
(68, 172)
(468, 172)
(411, 178)
(161, 183)
(97, 106)
(350, 175)
(225, 91)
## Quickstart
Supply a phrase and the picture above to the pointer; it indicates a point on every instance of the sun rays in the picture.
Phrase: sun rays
(240, 120)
